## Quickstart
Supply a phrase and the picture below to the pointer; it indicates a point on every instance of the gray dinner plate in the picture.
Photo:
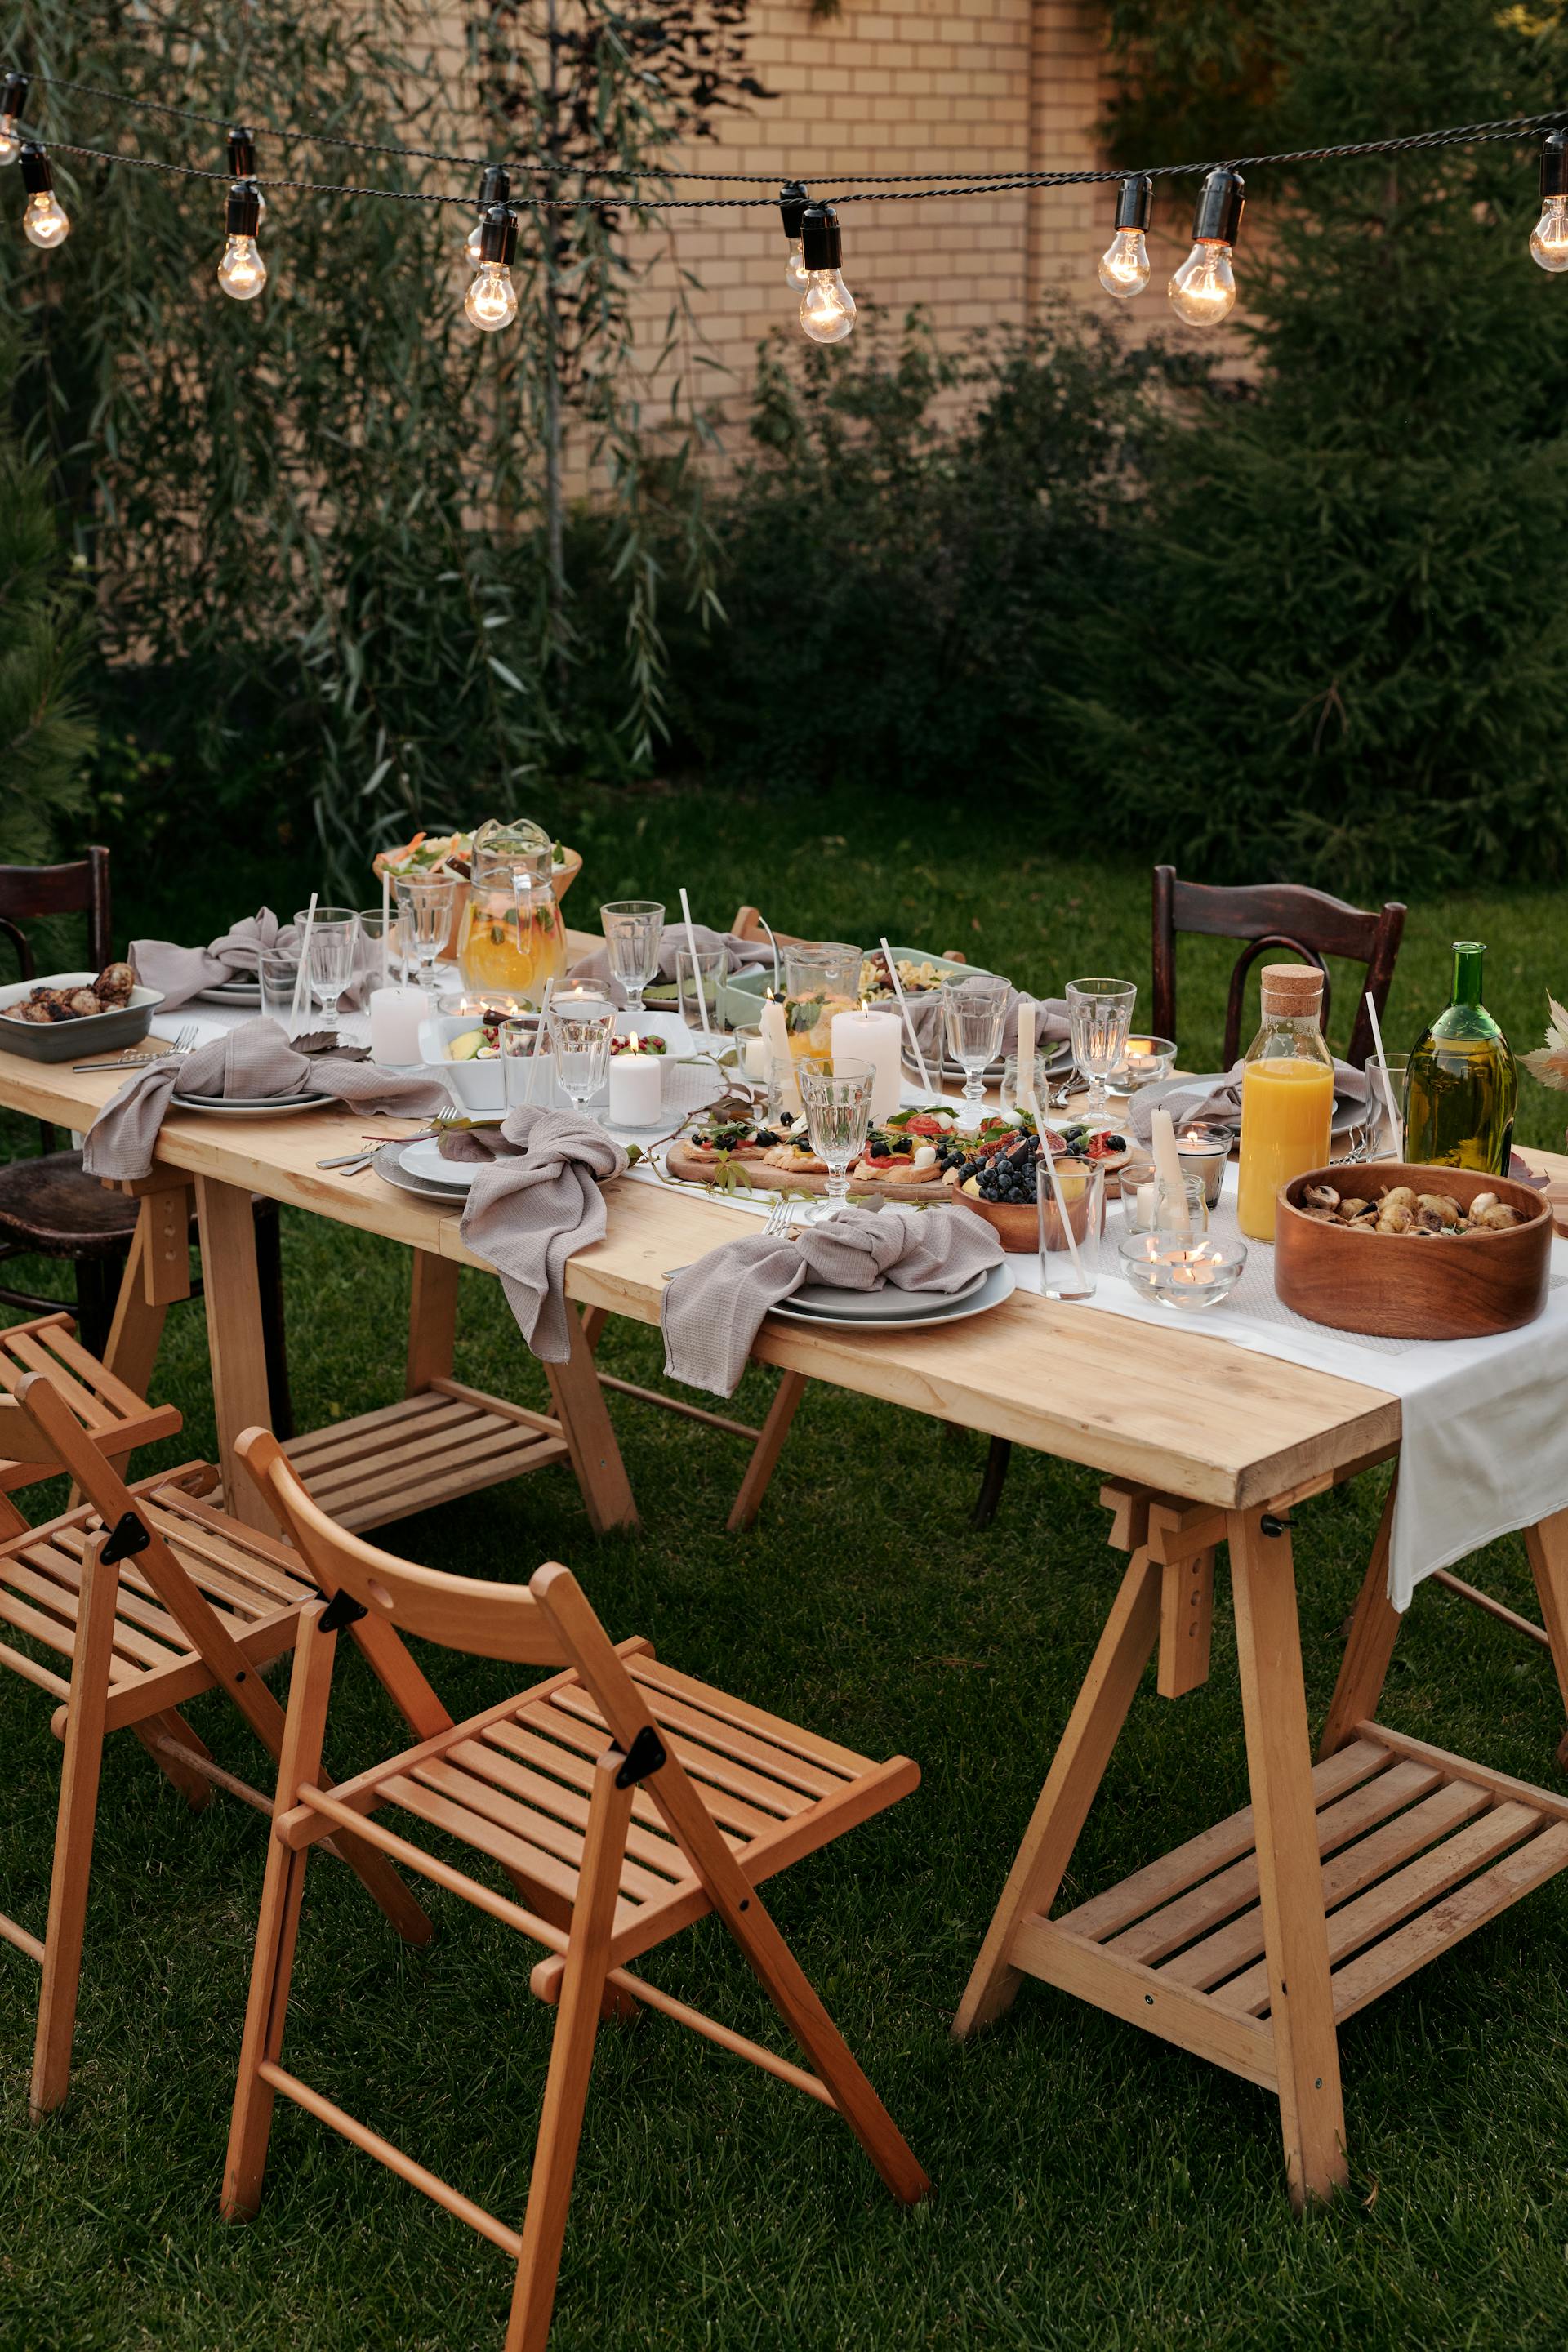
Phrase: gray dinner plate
(388, 1165)
(888, 1304)
(230, 993)
(258, 1106)
(997, 1285)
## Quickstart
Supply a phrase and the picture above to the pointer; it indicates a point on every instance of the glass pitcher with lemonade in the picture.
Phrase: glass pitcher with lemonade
(1287, 1094)
(511, 938)
(821, 978)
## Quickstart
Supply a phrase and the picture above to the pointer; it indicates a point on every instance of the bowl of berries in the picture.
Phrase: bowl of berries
(1001, 1189)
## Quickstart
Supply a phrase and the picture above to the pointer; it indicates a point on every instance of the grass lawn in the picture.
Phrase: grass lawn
(1093, 2189)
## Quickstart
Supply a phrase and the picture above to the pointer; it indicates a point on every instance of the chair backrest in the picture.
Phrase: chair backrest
(1278, 919)
(28, 893)
(486, 1620)
(100, 1408)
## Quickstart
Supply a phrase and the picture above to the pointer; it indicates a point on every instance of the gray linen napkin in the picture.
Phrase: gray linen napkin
(536, 1205)
(745, 955)
(1215, 1100)
(183, 973)
(254, 1059)
(1051, 1024)
(713, 1311)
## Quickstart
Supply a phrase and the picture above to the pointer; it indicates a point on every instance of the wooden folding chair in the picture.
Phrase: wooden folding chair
(148, 1594)
(695, 1799)
(114, 1416)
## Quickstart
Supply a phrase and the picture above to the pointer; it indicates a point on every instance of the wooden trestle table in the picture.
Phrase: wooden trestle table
(1247, 1945)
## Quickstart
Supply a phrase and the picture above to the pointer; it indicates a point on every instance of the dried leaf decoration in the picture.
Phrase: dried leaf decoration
(1550, 1064)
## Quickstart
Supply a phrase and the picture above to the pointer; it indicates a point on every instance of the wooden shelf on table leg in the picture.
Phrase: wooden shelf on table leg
(445, 1441)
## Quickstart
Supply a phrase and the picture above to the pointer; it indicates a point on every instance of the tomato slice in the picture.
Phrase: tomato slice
(925, 1125)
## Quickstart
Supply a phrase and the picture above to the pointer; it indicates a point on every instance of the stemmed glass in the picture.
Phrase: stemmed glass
(580, 1040)
(424, 904)
(1099, 1015)
(633, 932)
(974, 1015)
(837, 1099)
(334, 936)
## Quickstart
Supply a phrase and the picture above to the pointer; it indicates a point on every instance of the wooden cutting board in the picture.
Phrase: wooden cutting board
(695, 1167)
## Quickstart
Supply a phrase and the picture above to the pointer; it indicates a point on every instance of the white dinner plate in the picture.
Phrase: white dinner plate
(262, 1107)
(997, 1286)
(889, 1304)
(424, 1161)
(388, 1165)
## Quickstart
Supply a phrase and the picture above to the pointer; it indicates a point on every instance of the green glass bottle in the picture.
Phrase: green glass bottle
(1463, 1082)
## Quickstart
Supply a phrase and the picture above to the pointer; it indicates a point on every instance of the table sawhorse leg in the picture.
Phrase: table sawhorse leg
(232, 1293)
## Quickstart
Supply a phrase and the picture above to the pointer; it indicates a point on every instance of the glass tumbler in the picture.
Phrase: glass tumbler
(837, 1099)
(580, 1040)
(700, 988)
(335, 938)
(1099, 1013)
(1153, 1206)
(527, 1071)
(633, 932)
(369, 927)
(1382, 1130)
(1071, 1199)
(279, 976)
(974, 1016)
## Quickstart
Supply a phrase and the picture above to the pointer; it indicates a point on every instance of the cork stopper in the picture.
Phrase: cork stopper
(1291, 991)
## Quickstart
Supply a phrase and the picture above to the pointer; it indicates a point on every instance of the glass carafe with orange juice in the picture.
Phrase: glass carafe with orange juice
(1287, 1094)
(511, 938)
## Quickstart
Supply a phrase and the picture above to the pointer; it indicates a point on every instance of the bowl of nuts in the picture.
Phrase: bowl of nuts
(1410, 1252)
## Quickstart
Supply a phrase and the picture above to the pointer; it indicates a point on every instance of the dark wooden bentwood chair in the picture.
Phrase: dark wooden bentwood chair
(1272, 919)
(49, 1207)
(623, 1800)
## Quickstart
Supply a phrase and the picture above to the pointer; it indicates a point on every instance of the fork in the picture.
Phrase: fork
(183, 1042)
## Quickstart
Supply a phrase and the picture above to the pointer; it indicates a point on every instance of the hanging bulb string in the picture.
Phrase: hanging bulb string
(890, 186)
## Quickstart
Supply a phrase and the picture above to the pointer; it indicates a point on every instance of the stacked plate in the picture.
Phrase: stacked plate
(1057, 1060)
(238, 993)
(819, 1304)
(419, 1168)
(250, 1105)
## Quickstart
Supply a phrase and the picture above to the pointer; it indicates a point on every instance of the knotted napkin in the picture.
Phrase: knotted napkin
(249, 1062)
(713, 1311)
(534, 1205)
(1215, 1100)
(183, 973)
(745, 955)
(1051, 1024)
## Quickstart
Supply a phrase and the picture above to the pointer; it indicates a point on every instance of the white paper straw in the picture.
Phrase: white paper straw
(385, 919)
(1026, 1094)
(903, 1008)
(539, 1032)
(1383, 1072)
(1049, 1157)
(696, 969)
(778, 981)
(304, 959)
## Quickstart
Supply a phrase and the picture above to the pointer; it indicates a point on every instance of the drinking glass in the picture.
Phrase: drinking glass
(699, 987)
(1383, 1131)
(279, 976)
(424, 904)
(334, 936)
(525, 1061)
(634, 932)
(1071, 1227)
(975, 1014)
(369, 926)
(1099, 1013)
(1010, 1096)
(581, 1042)
(1153, 1206)
(837, 1099)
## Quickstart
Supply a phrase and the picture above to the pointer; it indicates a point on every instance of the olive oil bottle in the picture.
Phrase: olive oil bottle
(1463, 1082)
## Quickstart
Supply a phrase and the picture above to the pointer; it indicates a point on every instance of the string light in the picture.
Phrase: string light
(1124, 264)
(491, 302)
(793, 202)
(242, 161)
(1549, 238)
(242, 272)
(44, 223)
(495, 187)
(1203, 291)
(827, 306)
(13, 98)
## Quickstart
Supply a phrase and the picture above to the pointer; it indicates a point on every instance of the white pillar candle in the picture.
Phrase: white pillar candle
(637, 1088)
(775, 1032)
(1167, 1161)
(877, 1038)
(754, 1057)
(396, 1015)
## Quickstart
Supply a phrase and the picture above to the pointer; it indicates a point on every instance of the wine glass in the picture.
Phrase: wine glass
(1100, 1014)
(634, 933)
(334, 937)
(837, 1099)
(974, 1015)
(580, 1038)
(425, 903)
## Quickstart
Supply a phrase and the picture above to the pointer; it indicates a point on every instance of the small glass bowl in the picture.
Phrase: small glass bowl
(1138, 1070)
(1186, 1272)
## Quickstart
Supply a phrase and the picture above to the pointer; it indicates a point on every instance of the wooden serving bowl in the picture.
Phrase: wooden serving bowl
(1018, 1224)
(1394, 1286)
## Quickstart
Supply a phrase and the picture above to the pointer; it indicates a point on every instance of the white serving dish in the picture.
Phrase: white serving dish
(75, 1041)
(478, 1088)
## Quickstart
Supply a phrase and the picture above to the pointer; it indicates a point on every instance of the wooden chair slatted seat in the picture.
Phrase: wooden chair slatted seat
(624, 1800)
(130, 1603)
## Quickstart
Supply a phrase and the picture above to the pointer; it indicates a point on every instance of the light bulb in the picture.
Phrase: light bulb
(1549, 238)
(491, 301)
(10, 139)
(43, 223)
(795, 271)
(1124, 264)
(242, 272)
(472, 243)
(1202, 291)
(828, 306)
